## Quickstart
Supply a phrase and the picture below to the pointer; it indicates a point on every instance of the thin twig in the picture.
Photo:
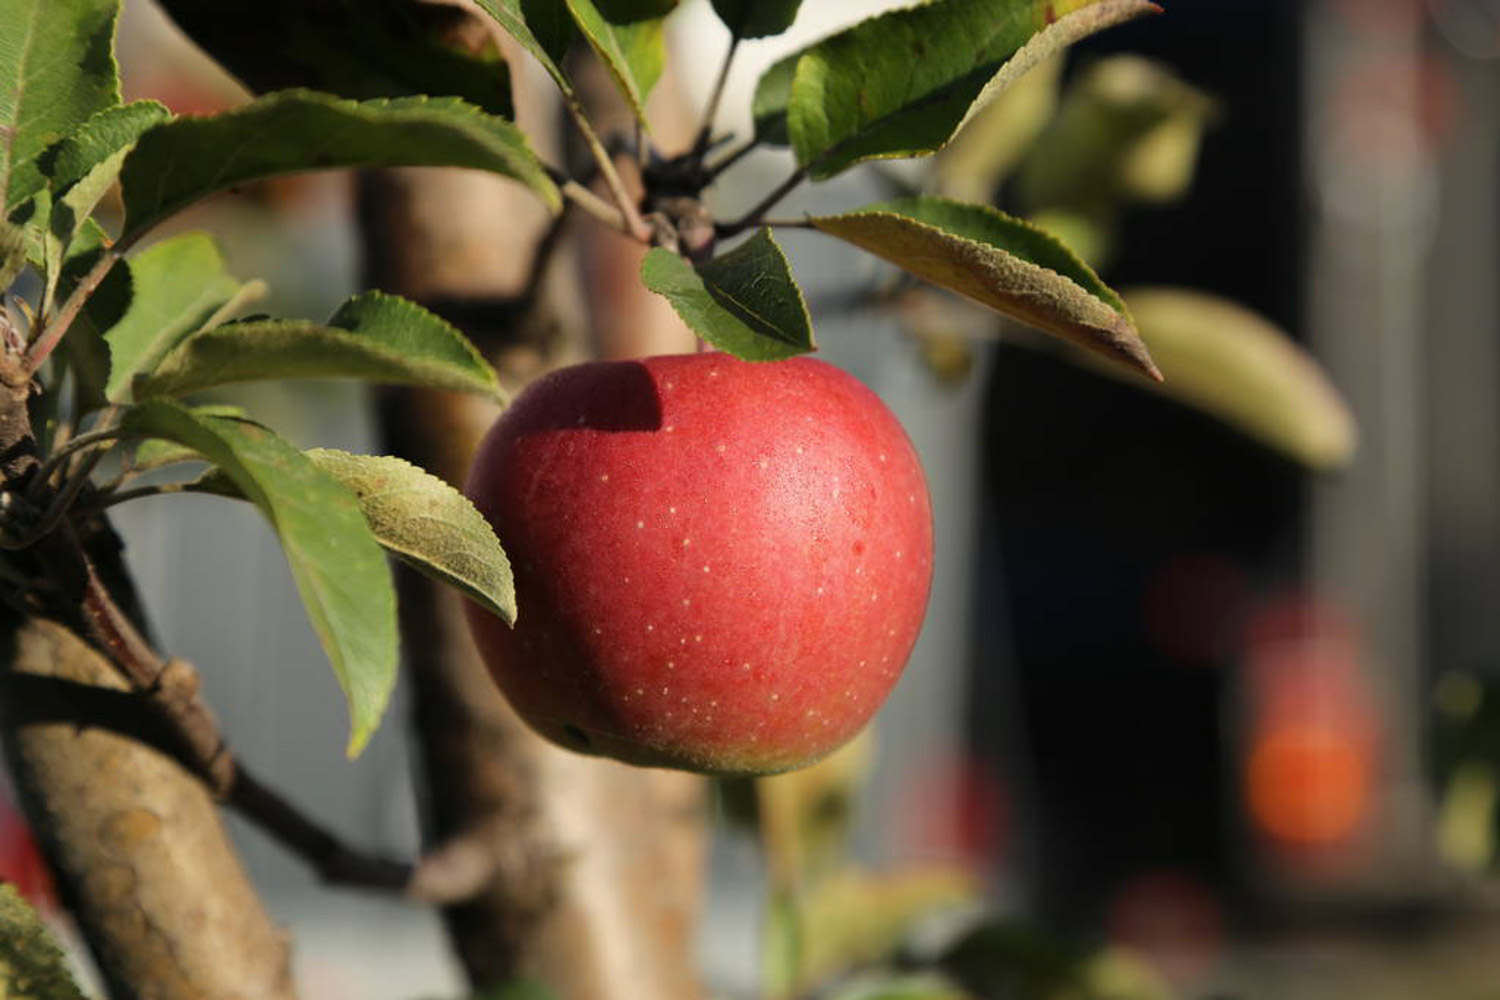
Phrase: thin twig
(788, 223)
(634, 226)
(753, 217)
(171, 689)
(52, 332)
(714, 170)
(700, 145)
(64, 452)
(596, 206)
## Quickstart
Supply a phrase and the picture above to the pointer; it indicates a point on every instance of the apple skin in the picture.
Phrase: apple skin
(720, 565)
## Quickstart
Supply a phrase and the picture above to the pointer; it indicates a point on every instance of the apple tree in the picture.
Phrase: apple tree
(111, 334)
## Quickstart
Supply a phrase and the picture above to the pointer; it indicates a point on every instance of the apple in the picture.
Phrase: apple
(720, 565)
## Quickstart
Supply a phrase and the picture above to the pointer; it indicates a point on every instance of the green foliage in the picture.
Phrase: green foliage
(373, 336)
(902, 84)
(338, 567)
(359, 49)
(543, 27)
(756, 18)
(1225, 360)
(852, 919)
(998, 261)
(744, 301)
(427, 524)
(174, 288)
(1128, 130)
(32, 966)
(57, 67)
(634, 50)
(919, 987)
(179, 162)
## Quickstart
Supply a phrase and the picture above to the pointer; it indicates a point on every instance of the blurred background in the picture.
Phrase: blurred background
(1176, 693)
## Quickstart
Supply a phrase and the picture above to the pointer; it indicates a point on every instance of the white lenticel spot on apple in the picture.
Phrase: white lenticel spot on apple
(686, 542)
(764, 464)
(687, 601)
(719, 447)
(650, 628)
(775, 696)
(604, 477)
(745, 667)
(665, 690)
(639, 525)
(705, 567)
(671, 665)
(882, 456)
(697, 638)
(671, 510)
(669, 428)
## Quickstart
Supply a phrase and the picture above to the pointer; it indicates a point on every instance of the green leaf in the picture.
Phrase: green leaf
(81, 168)
(1128, 130)
(543, 27)
(32, 966)
(57, 67)
(857, 918)
(756, 18)
(634, 51)
(179, 162)
(744, 302)
(175, 286)
(359, 49)
(998, 261)
(768, 106)
(912, 987)
(903, 83)
(340, 571)
(1220, 357)
(156, 453)
(372, 336)
(428, 524)
(994, 141)
(12, 252)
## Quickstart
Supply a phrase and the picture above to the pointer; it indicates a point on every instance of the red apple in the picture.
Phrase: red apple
(720, 565)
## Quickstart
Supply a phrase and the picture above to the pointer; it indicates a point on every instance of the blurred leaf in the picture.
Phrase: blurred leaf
(626, 11)
(768, 106)
(756, 18)
(855, 918)
(903, 83)
(781, 946)
(1011, 959)
(1222, 358)
(806, 816)
(1467, 816)
(633, 51)
(971, 166)
(543, 27)
(1128, 130)
(359, 49)
(998, 261)
(32, 966)
(179, 162)
(373, 336)
(915, 987)
(339, 569)
(57, 67)
(1121, 974)
(175, 286)
(427, 524)
(1085, 233)
(744, 302)
(519, 990)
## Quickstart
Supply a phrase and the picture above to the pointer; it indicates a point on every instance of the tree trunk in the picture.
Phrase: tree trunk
(599, 878)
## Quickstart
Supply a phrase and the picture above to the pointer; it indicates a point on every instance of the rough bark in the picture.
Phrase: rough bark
(596, 878)
(135, 840)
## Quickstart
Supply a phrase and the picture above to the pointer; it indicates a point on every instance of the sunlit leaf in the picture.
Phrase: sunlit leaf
(179, 162)
(373, 336)
(634, 51)
(999, 261)
(174, 287)
(744, 302)
(340, 570)
(428, 524)
(903, 83)
(1220, 357)
(57, 67)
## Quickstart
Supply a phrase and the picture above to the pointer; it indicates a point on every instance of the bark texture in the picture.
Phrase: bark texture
(596, 879)
(135, 840)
